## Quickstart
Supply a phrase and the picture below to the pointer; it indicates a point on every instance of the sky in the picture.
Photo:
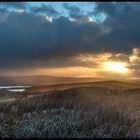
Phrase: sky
(72, 39)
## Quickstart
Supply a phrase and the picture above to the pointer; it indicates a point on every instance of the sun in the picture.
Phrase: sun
(115, 67)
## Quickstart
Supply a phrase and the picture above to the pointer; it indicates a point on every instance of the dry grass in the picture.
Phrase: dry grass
(88, 112)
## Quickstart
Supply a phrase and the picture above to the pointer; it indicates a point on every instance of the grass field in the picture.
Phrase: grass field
(100, 110)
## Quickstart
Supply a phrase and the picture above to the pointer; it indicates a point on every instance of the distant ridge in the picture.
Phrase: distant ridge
(42, 80)
(110, 84)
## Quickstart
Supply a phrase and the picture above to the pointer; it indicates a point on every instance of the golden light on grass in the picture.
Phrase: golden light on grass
(115, 67)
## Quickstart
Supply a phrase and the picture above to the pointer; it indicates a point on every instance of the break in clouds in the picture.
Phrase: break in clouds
(41, 36)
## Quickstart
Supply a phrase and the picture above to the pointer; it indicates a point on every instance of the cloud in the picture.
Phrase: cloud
(105, 7)
(72, 9)
(29, 40)
(134, 59)
(32, 40)
(76, 13)
(3, 16)
(45, 9)
(20, 5)
(122, 28)
(119, 57)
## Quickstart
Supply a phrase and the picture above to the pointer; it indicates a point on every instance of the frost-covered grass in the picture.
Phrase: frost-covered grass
(88, 112)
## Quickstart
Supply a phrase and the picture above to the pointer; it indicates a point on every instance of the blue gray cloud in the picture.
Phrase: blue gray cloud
(20, 5)
(44, 9)
(30, 40)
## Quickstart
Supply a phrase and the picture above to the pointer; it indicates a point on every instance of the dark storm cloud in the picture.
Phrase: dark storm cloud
(3, 14)
(72, 9)
(106, 7)
(76, 13)
(20, 5)
(112, 8)
(29, 40)
(3, 9)
(45, 9)
(124, 32)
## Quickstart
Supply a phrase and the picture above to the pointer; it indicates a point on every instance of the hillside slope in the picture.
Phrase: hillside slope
(42, 80)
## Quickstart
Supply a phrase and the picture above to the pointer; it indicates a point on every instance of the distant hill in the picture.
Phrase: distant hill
(109, 84)
(42, 80)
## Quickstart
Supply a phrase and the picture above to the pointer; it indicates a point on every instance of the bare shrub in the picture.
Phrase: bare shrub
(85, 112)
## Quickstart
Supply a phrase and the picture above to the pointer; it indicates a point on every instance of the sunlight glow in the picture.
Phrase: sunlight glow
(115, 66)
